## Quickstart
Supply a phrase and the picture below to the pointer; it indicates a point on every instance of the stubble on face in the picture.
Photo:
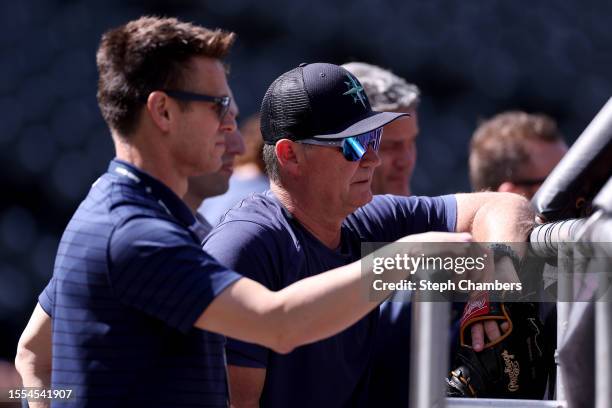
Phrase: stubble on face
(326, 182)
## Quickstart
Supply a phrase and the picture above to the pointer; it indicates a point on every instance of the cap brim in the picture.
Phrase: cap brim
(373, 121)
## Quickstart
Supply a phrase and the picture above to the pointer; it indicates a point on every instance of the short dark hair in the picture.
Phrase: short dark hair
(498, 150)
(145, 55)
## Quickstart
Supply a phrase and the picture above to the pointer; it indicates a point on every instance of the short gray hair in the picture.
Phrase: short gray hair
(385, 90)
(272, 167)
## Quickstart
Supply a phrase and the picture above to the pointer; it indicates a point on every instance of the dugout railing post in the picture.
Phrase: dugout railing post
(429, 366)
(565, 264)
(603, 353)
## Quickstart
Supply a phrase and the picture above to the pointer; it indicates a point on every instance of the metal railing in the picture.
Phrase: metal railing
(429, 366)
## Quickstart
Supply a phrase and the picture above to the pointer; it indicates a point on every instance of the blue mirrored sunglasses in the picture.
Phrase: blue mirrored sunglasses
(354, 147)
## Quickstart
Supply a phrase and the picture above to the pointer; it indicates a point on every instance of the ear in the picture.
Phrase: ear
(287, 156)
(158, 110)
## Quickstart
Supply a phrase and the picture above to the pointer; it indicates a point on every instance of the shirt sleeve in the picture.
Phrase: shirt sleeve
(388, 217)
(242, 246)
(157, 267)
(46, 299)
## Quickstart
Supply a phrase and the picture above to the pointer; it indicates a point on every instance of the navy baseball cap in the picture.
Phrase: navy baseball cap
(321, 101)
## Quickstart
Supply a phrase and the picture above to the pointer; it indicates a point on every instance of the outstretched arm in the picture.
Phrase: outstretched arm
(304, 312)
(33, 360)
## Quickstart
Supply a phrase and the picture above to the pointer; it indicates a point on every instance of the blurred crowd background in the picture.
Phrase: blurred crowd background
(471, 59)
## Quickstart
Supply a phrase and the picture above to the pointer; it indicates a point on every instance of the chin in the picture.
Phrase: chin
(206, 169)
(363, 199)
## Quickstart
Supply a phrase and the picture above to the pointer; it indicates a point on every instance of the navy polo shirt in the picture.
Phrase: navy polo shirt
(261, 240)
(129, 282)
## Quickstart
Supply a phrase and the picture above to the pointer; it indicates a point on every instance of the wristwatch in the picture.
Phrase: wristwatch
(501, 250)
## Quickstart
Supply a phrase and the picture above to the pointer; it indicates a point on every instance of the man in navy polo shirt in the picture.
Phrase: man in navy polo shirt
(321, 151)
(134, 299)
(34, 360)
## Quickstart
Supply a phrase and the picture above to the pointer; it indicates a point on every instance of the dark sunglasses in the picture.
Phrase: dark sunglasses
(222, 102)
(354, 147)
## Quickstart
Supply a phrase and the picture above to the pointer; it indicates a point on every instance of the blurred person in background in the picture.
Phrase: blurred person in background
(248, 177)
(514, 152)
(214, 184)
(388, 92)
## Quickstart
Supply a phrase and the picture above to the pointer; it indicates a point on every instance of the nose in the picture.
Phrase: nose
(228, 123)
(234, 143)
(370, 158)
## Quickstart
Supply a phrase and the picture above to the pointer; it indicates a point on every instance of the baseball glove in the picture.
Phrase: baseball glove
(513, 366)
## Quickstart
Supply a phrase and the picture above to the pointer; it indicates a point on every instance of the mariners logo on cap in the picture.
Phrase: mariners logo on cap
(355, 90)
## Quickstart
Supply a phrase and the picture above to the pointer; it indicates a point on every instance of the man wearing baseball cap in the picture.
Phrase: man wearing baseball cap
(321, 140)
